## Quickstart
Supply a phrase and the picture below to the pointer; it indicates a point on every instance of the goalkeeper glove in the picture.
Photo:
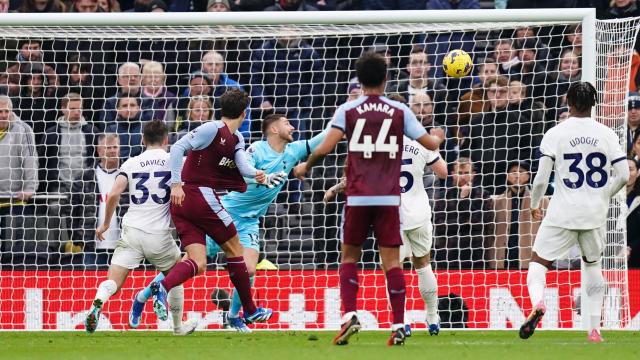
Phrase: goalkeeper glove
(275, 179)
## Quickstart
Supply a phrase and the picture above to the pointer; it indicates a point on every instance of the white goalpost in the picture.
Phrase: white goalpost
(125, 69)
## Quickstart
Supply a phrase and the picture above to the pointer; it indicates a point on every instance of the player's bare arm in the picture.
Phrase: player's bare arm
(113, 199)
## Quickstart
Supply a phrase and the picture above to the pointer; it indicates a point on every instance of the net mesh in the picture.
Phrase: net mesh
(52, 263)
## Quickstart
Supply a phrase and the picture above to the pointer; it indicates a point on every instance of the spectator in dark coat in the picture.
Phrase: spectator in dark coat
(463, 224)
(290, 5)
(506, 56)
(528, 71)
(85, 6)
(394, 74)
(419, 82)
(496, 138)
(29, 56)
(199, 111)
(633, 119)
(289, 73)
(80, 80)
(475, 101)
(622, 9)
(39, 6)
(128, 125)
(33, 105)
(568, 72)
(68, 147)
(393, 4)
(633, 215)
(129, 85)
(162, 103)
(530, 111)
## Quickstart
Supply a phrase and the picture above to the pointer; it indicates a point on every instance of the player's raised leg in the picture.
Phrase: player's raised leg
(536, 283)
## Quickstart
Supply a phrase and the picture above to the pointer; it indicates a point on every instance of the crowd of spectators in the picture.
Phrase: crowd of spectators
(72, 110)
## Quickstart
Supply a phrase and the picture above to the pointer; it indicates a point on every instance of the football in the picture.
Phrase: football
(457, 63)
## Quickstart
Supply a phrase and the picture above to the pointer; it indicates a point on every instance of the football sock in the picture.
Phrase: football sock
(397, 293)
(145, 294)
(181, 272)
(105, 290)
(348, 286)
(176, 305)
(536, 282)
(236, 304)
(240, 278)
(428, 286)
(595, 284)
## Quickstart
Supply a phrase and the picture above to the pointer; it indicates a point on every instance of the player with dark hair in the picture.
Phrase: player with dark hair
(146, 227)
(374, 126)
(582, 152)
(216, 160)
(278, 154)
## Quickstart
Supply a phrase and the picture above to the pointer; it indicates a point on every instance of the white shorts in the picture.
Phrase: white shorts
(136, 245)
(417, 242)
(553, 243)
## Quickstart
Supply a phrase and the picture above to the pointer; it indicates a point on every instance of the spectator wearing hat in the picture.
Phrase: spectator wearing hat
(515, 228)
(218, 6)
(528, 71)
(291, 5)
(354, 89)
(633, 119)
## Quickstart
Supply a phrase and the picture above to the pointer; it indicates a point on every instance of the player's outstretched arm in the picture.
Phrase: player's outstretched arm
(112, 201)
(540, 184)
(334, 135)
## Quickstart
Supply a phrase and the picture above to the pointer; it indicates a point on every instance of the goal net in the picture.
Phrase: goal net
(78, 93)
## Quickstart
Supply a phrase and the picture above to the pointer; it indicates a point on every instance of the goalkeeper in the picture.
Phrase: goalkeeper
(278, 153)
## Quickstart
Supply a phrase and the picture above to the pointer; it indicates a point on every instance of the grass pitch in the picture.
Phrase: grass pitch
(303, 345)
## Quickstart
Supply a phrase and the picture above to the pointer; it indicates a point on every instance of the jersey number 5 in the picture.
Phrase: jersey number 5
(593, 169)
(367, 146)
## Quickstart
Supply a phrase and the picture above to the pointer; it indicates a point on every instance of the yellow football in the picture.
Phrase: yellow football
(457, 63)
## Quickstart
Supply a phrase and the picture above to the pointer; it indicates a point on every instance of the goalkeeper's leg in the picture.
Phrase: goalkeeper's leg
(115, 278)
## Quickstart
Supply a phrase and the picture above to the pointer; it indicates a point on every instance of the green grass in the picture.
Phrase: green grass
(371, 345)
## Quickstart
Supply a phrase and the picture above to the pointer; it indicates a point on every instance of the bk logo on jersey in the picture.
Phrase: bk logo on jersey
(231, 164)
